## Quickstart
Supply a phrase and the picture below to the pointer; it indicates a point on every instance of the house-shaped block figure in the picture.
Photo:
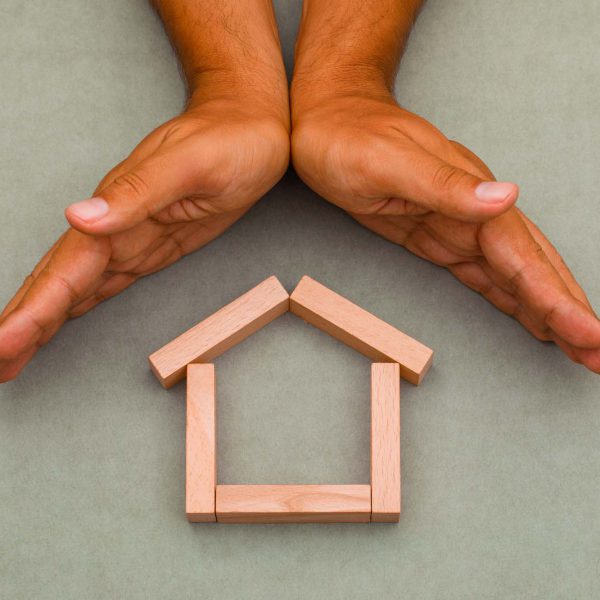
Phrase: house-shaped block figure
(397, 355)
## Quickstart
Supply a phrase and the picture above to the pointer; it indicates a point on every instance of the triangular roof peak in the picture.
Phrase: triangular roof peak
(311, 301)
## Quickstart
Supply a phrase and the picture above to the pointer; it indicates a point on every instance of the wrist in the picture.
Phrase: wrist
(312, 89)
(349, 49)
(261, 91)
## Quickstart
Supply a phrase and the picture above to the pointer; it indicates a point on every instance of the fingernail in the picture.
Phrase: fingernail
(493, 191)
(90, 210)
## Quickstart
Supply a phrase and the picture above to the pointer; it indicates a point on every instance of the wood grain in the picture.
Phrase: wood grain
(359, 329)
(200, 444)
(293, 503)
(385, 442)
(221, 331)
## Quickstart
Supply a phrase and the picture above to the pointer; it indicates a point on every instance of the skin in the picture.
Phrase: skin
(181, 187)
(194, 176)
(401, 177)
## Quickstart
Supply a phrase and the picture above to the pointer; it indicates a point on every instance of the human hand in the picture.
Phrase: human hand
(398, 175)
(181, 187)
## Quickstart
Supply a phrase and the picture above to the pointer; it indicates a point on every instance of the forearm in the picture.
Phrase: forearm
(350, 46)
(228, 49)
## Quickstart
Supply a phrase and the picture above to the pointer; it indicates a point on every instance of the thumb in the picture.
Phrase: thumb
(426, 180)
(135, 195)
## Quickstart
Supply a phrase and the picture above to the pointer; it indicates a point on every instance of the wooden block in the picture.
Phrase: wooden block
(293, 503)
(200, 444)
(360, 329)
(221, 331)
(385, 442)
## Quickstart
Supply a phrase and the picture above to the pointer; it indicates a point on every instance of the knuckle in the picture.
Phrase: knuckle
(520, 275)
(446, 178)
(28, 280)
(516, 280)
(131, 184)
(550, 315)
(68, 287)
(37, 322)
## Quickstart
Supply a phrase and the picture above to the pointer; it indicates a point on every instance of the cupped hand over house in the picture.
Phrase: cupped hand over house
(401, 177)
(181, 187)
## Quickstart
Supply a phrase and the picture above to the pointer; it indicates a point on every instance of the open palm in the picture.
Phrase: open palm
(184, 184)
(398, 175)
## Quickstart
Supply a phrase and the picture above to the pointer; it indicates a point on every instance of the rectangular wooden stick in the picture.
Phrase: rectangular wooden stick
(222, 330)
(200, 444)
(385, 442)
(293, 503)
(358, 328)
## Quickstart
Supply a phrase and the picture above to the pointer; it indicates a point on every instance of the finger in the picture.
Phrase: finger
(473, 276)
(473, 158)
(556, 259)
(112, 286)
(513, 252)
(70, 274)
(30, 279)
(138, 193)
(184, 240)
(590, 358)
(143, 150)
(586, 357)
(412, 174)
(569, 350)
(10, 369)
(180, 240)
(484, 281)
(522, 315)
(423, 244)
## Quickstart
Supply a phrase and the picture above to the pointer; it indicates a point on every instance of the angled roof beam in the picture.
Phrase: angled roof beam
(221, 331)
(359, 329)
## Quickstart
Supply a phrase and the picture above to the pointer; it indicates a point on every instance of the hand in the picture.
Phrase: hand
(184, 184)
(398, 175)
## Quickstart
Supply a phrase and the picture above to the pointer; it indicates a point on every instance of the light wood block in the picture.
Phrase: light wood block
(200, 444)
(221, 331)
(359, 329)
(385, 442)
(293, 503)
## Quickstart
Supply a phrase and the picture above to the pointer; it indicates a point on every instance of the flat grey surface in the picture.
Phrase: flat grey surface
(501, 443)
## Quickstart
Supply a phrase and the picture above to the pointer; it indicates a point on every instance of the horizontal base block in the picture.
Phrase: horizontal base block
(293, 503)
(298, 518)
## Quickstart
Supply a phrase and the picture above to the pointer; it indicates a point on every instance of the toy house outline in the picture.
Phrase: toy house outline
(397, 355)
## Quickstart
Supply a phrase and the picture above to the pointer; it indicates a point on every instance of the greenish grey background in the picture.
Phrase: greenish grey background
(501, 443)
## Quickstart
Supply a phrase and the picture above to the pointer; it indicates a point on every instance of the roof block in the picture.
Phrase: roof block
(221, 331)
(363, 331)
